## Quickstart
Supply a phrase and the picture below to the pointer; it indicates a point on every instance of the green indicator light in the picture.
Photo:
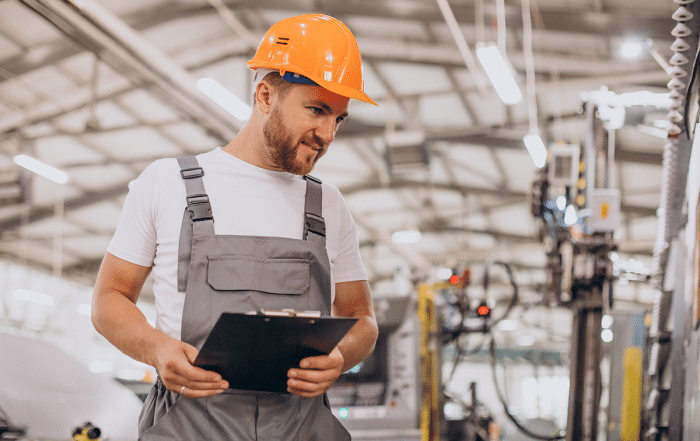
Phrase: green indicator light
(343, 413)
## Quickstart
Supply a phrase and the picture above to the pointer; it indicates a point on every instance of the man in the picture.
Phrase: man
(256, 234)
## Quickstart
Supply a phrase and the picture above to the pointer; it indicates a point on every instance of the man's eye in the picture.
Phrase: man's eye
(317, 110)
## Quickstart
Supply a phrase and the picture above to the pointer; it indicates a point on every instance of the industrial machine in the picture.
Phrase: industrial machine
(578, 262)
(382, 394)
(50, 394)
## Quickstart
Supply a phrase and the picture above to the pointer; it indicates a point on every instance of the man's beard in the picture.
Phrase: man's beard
(282, 150)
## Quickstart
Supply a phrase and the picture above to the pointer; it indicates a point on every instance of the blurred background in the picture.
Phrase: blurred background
(523, 256)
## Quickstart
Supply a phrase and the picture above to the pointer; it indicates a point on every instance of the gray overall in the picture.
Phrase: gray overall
(242, 274)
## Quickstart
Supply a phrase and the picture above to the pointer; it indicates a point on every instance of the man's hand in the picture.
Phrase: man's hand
(173, 360)
(115, 315)
(315, 375)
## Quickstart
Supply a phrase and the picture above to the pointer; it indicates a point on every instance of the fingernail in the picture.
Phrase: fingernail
(217, 378)
(221, 391)
(224, 386)
(293, 374)
(304, 364)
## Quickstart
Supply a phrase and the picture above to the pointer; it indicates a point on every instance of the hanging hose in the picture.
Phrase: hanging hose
(511, 417)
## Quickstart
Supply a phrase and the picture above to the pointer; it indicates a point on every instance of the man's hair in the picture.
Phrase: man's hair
(281, 85)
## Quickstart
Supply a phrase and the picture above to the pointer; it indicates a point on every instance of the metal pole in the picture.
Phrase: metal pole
(584, 392)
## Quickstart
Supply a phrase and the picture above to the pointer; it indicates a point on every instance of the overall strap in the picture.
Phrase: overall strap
(198, 210)
(313, 219)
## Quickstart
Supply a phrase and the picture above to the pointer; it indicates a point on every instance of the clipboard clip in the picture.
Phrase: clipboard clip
(286, 313)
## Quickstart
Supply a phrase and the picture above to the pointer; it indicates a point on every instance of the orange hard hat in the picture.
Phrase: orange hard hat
(315, 46)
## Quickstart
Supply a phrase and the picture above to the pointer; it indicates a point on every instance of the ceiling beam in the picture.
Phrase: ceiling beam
(395, 184)
(608, 23)
(37, 214)
(611, 22)
(480, 136)
(100, 31)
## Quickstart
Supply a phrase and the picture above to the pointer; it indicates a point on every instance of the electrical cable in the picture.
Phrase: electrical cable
(511, 278)
(461, 353)
(511, 417)
(463, 307)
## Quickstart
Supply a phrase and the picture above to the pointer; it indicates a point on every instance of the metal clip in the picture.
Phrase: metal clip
(289, 313)
(199, 207)
(315, 224)
(190, 173)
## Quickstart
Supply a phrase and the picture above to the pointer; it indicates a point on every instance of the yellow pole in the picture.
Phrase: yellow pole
(430, 407)
(630, 414)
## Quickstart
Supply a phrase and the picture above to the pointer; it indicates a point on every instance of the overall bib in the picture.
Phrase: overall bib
(228, 273)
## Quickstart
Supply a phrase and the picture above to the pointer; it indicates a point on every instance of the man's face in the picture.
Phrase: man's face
(301, 126)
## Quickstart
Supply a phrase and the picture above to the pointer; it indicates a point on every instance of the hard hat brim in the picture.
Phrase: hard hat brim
(337, 88)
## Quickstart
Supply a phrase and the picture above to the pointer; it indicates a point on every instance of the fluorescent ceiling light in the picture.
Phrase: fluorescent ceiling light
(41, 169)
(631, 49)
(406, 237)
(33, 297)
(499, 72)
(536, 148)
(221, 96)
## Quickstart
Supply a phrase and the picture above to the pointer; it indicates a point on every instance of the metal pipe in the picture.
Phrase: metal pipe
(462, 45)
(99, 30)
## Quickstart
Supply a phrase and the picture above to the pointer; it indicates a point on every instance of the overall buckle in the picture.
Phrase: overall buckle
(315, 224)
(199, 207)
(191, 173)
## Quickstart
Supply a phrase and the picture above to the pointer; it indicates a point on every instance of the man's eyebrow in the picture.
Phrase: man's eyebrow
(327, 108)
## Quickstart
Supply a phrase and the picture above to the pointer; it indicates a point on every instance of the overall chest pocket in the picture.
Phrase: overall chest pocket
(249, 273)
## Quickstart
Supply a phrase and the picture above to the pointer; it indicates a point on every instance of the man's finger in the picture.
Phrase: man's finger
(306, 389)
(196, 393)
(200, 385)
(313, 376)
(195, 373)
(333, 360)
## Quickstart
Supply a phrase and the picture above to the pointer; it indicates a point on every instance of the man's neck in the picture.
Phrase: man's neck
(249, 146)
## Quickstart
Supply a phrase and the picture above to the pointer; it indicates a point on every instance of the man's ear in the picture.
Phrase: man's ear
(264, 93)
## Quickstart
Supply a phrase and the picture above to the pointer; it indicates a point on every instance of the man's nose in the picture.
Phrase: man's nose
(326, 130)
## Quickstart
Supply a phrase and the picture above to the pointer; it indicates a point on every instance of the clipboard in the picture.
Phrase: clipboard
(254, 352)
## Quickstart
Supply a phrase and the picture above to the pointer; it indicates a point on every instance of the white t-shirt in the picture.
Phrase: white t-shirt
(245, 200)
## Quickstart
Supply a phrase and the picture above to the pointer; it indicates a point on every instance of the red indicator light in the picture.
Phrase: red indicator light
(483, 310)
(454, 280)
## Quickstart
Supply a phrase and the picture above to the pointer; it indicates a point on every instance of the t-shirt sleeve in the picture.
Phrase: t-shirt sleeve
(135, 236)
(348, 264)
